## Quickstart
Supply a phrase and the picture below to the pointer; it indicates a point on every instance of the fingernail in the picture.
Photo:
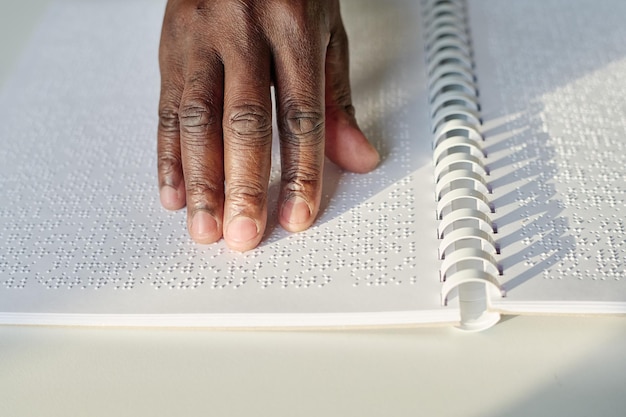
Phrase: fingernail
(296, 211)
(242, 229)
(203, 226)
(169, 197)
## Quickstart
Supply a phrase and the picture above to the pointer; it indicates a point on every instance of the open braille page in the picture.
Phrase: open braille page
(552, 76)
(84, 240)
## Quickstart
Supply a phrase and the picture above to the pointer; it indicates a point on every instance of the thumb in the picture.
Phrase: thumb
(346, 145)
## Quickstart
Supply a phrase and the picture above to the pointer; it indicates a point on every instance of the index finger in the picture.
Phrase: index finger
(299, 65)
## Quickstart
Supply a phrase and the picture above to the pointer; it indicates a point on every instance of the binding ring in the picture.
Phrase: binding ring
(468, 250)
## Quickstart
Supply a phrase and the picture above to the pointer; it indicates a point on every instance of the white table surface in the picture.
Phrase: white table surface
(525, 366)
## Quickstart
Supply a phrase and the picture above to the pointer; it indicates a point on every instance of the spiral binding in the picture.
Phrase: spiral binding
(467, 248)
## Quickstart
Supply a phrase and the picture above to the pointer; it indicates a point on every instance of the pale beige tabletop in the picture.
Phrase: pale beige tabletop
(524, 366)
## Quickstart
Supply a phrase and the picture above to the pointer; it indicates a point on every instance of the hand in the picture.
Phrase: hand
(218, 59)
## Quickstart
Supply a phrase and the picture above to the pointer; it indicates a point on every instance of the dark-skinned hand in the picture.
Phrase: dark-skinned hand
(218, 60)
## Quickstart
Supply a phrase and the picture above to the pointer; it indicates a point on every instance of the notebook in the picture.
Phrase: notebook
(501, 188)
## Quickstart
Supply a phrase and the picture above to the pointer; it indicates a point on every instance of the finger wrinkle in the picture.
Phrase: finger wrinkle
(245, 197)
(197, 117)
(300, 181)
(168, 120)
(169, 162)
(245, 200)
(201, 188)
(302, 123)
(250, 122)
(242, 186)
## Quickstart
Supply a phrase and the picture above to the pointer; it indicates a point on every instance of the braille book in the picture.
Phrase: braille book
(502, 186)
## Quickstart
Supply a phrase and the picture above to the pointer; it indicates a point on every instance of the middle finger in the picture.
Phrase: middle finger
(247, 129)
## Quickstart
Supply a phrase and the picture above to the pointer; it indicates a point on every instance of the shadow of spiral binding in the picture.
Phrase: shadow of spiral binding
(467, 247)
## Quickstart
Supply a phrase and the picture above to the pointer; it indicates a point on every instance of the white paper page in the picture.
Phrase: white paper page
(552, 78)
(81, 228)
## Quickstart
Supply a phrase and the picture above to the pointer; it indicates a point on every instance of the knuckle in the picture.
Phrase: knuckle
(203, 190)
(239, 11)
(305, 24)
(168, 163)
(197, 117)
(299, 15)
(168, 119)
(250, 121)
(350, 110)
(302, 123)
(341, 88)
(246, 194)
(301, 179)
(188, 12)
